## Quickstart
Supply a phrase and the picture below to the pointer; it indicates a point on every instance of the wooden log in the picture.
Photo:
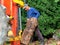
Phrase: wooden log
(28, 31)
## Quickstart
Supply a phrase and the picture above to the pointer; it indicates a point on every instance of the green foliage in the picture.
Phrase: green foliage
(56, 0)
(58, 35)
(49, 19)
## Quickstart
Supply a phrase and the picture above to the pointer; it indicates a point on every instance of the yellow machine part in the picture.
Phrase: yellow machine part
(11, 17)
(12, 38)
(20, 2)
(20, 34)
(10, 33)
(15, 38)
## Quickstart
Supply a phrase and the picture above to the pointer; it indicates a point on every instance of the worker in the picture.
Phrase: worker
(32, 17)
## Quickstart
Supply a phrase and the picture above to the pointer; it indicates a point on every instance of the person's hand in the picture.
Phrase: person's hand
(33, 19)
(27, 19)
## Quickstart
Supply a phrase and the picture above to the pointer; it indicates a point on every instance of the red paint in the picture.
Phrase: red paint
(15, 43)
(14, 22)
(7, 5)
(0, 1)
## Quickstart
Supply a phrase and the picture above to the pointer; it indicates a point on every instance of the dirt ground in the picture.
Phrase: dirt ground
(47, 42)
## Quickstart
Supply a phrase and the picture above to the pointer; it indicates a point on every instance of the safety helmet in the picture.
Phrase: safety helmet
(21, 3)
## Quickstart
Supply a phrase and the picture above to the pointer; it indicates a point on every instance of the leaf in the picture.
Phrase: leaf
(56, 0)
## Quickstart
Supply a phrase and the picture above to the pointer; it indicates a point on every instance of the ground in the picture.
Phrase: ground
(47, 42)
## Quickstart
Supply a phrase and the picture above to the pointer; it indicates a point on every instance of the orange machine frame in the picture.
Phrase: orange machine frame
(12, 10)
